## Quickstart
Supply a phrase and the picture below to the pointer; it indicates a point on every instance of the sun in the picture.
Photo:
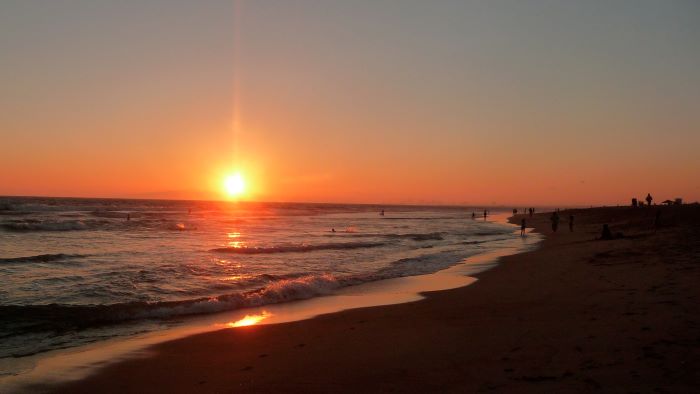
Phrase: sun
(234, 185)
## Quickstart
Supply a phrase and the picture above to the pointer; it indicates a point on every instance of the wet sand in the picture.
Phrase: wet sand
(576, 315)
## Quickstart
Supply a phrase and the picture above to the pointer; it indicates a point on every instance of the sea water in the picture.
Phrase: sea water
(77, 271)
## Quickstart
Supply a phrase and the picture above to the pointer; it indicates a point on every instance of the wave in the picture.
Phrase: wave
(56, 317)
(40, 258)
(485, 233)
(37, 225)
(420, 265)
(300, 248)
(419, 237)
(278, 288)
(425, 218)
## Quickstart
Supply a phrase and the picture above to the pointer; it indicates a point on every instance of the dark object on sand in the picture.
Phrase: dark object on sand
(634, 203)
(608, 235)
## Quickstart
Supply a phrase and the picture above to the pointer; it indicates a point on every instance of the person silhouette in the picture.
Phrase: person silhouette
(555, 221)
(485, 213)
(649, 199)
(571, 223)
(522, 227)
(473, 215)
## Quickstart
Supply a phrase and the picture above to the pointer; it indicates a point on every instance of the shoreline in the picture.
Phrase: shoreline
(63, 366)
(573, 315)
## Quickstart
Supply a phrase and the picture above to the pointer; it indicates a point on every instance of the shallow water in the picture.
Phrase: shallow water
(76, 271)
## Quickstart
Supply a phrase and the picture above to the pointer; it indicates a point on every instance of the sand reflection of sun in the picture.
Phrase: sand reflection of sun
(250, 320)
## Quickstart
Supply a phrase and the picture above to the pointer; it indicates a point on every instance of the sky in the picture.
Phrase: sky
(440, 102)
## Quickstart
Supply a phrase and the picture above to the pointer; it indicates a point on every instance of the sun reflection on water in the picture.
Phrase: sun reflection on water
(250, 320)
(234, 243)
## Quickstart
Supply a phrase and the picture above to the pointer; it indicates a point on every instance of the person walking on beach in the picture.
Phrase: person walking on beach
(522, 228)
(473, 215)
(485, 213)
(649, 199)
(555, 221)
(571, 223)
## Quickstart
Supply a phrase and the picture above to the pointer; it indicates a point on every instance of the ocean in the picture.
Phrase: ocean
(77, 271)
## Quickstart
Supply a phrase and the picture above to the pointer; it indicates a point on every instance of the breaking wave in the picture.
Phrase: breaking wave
(299, 248)
(38, 225)
(56, 317)
(41, 258)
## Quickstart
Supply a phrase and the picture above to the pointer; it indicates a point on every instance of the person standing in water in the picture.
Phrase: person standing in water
(571, 223)
(555, 221)
(522, 228)
(473, 215)
(485, 214)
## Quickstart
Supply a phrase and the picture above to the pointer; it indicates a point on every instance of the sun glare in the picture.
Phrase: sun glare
(234, 185)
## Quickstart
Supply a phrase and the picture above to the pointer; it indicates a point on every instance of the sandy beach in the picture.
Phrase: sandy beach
(575, 315)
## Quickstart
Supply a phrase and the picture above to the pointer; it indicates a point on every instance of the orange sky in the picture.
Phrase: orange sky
(473, 103)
